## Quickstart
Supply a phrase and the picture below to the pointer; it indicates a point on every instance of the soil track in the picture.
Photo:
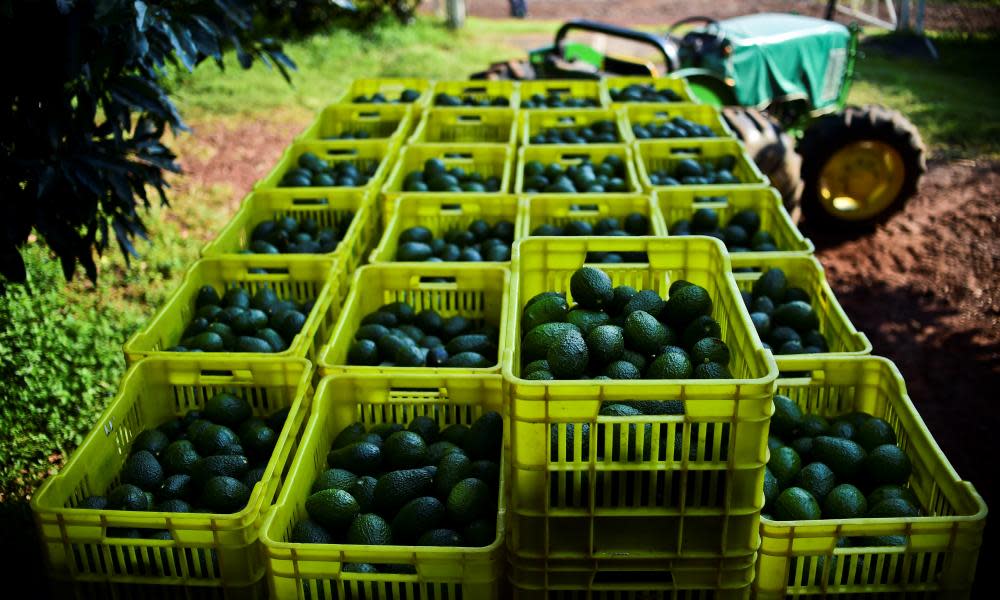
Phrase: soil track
(939, 16)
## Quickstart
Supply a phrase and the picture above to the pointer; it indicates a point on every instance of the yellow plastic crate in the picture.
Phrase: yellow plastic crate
(677, 204)
(467, 126)
(700, 494)
(570, 88)
(316, 570)
(478, 293)
(291, 277)
(677, 84)
(664, 154)
(387, 122)
(353, 211)
(441, 215)
(486, 159)
(573, 155)
(630, 579)
(391, 88)
(645, 114)
(559, 209)
(363, 154)
(478, 90)
(806, 272)
(536, 121)
(800, 558)
(213, 550)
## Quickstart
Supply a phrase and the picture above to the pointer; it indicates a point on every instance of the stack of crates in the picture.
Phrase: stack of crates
(589, 505)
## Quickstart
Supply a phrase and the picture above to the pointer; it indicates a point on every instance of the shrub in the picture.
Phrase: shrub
(83, 109)
(60, 361)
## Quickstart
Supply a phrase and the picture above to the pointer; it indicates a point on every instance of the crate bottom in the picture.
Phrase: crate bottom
(703, 579)
(105, 590)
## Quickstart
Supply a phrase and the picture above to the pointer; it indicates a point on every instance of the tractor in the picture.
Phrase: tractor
(782, 82)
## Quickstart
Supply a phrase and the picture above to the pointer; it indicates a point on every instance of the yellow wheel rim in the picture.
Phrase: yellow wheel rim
(861, 180)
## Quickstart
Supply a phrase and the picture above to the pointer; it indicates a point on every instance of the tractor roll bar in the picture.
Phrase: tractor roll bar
(668, 52)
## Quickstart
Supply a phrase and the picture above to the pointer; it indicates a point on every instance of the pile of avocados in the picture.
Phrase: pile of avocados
(288, 235)
(437, 177)
(582, 178)
(644, 92)
(846, 467)
(677, 127)
(689, 171)
(238, 322)
(313, 171)
(407, 96)
(207, 461)
(741, 234)
(555, 99)
(622, 333)
(633, 224)
(444, 99)
(478, 242)
(413, 486)
(598, 132)
(783, 316)
(396, 335)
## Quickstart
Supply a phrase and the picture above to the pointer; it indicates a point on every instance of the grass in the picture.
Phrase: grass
(952, 101)
(328, 63)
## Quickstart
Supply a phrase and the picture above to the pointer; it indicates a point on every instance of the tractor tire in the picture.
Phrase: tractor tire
(883, 159)
(772, 149)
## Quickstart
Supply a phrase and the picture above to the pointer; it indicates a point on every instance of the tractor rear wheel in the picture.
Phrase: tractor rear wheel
(772, 149)
(859, 166)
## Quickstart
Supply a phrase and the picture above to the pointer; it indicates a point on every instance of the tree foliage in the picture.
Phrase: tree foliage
(83, 112)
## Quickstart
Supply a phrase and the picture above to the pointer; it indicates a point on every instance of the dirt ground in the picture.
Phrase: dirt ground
(939, 16)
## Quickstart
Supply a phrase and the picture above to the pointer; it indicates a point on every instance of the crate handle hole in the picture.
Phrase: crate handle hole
(369, 114)
(451, 207)
(465, 155)
(270, 271)
(584, 208)
(685, 150)
(437, 280)
(310, 201)
(567, 120)
(711, 199)
(475, 89)
(217, 372)
(470, 118)
(575, 156)
(342, 152)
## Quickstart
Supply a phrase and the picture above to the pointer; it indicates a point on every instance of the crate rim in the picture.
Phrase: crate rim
(364, 200)
(806, 525)
(660, 194)
(414, 198)
(303, 386)
(632, 174)
(790, 360)
(431, 269)
(314, 420)
(298, 347)
(508, 358)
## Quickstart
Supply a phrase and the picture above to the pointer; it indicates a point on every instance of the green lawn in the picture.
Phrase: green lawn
(953, 101)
